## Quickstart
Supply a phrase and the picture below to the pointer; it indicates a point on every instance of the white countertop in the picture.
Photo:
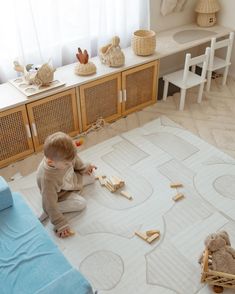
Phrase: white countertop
(165, 45)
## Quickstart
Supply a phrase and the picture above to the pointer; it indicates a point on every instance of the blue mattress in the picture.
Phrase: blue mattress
(29, 261)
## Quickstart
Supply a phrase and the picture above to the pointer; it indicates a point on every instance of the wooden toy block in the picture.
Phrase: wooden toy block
(116, 182)
(176, 185)
(141, 235)
(126, 194)
(144, 236)
(119, 180)
(152, 238)
(102, 181)
(152, 232)
(98, 176)
(178, 197)
(71, 232)
(109, 186)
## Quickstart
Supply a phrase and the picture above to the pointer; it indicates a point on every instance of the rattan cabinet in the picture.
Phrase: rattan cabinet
(52, 114)
(15, 136)
(118, 94)
(101, 98)
(139, 87)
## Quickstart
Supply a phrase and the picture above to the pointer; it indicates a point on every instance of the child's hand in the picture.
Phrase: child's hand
(90, 168)
(67, 232)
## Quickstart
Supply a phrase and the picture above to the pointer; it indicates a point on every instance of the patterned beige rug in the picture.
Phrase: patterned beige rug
(148, 158)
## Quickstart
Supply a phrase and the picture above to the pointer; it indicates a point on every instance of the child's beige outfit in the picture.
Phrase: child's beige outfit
(60, 190)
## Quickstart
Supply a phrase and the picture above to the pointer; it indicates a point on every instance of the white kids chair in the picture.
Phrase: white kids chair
(185, 79)
(215, 62)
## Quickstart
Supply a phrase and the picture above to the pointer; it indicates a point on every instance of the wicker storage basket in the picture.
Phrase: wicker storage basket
(211, 277)
(143, 42)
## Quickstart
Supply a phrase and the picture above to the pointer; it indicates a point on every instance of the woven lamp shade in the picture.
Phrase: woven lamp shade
(207, 6)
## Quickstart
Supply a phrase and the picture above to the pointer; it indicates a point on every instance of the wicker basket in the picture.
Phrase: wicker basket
(85, 69)
(143, 42)
(211, 277)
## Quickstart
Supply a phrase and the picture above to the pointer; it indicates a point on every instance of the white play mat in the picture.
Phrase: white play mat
(149, 159)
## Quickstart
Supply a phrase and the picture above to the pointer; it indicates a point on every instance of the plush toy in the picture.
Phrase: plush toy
(223, 255)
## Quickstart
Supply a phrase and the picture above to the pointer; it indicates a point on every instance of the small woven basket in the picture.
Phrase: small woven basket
(143, 42)
(85, 69)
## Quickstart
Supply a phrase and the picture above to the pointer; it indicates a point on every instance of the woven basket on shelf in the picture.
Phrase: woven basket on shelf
(143, 42)
(85, 69)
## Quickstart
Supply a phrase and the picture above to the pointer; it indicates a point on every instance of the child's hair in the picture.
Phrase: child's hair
(59, 147)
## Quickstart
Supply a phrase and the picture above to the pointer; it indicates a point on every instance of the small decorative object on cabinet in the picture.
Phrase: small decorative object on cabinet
(143, 42)
(41, 76)
(84, 68)
(206, 10)
(111, 54)
(35, 79)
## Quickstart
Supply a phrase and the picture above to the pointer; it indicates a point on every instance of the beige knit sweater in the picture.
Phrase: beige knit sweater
(54, 183)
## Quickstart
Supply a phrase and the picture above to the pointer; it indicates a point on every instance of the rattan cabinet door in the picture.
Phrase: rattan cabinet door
(139, 86)
(52, 114)
(15, 136)
(101, 99)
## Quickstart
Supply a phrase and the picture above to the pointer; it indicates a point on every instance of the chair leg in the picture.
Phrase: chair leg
(182, 98)
(200, 92)
(166, 84)
(208, 84)
(225, 76)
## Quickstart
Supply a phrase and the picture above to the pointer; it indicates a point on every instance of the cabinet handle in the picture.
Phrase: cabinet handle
(120, 96)
(124, 95)
(34, 130)
(28, 131)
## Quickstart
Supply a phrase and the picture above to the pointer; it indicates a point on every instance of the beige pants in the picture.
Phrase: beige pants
(75, 202)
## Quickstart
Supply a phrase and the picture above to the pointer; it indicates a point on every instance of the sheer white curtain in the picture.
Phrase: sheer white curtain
(33, 31)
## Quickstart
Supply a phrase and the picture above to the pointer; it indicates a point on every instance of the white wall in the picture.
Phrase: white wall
(225, 17)
(160, 23)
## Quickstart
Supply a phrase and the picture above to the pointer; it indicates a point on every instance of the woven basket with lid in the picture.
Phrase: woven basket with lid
(143, 42)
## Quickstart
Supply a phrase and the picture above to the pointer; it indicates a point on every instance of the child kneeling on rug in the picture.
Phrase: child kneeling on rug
(60, 177)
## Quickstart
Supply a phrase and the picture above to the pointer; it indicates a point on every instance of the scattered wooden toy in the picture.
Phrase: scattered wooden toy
(101, 179)
(176, 185)
(126, 194)
(109, 186)
(154, 234)
(114, 183)
(153, 237)
(178, 197)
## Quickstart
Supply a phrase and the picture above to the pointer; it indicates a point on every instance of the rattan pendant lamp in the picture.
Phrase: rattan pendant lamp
(206, 12)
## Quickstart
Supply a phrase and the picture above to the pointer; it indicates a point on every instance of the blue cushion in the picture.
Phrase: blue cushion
(29, 260)
(5, 195)
(70, 283)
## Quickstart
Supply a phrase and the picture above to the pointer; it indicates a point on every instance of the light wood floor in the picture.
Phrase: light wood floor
(213, 120)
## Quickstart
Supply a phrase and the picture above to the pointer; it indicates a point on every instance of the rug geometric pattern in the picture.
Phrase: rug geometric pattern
(149, 158)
